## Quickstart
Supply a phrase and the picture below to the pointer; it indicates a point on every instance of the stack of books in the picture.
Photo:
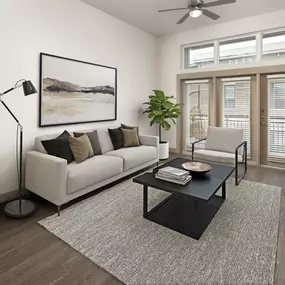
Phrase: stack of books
(174, 175)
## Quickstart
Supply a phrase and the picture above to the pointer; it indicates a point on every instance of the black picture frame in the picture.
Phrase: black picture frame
(41, 125)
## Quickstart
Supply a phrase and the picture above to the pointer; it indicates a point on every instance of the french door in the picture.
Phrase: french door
(272, 120)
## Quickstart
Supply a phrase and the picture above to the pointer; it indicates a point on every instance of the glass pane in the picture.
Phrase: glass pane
(273, 46)
(238, 52)
(276, 120)
(237, 107)
(197, 57)
(198, 113)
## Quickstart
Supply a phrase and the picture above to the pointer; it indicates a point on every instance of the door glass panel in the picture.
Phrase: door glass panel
(236, 109)
(197, 100)
(276, 119)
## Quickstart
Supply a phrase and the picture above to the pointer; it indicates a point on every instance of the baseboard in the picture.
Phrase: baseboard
(8, 196)
(174, 150)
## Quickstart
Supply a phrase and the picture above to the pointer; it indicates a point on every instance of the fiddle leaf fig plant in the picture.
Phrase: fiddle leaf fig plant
(162, 111)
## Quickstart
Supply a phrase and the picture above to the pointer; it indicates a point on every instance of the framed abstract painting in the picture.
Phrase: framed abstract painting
(74, 92)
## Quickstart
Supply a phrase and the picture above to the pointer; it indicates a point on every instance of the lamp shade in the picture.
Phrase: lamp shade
(29, 88)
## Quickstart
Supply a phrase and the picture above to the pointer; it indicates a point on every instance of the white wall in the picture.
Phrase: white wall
(170, 48)
(72, 29)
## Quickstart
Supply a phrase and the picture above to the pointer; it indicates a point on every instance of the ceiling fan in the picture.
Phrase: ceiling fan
(197, 7)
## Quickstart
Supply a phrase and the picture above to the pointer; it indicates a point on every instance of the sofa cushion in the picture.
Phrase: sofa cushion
(92, 171)
(81, 148)
(130, 138)
(59, 147)
(224, 139)
(104, 140)
(134, 156)
(216, 156)
(38, 141)
(116, 138)
(93, 137)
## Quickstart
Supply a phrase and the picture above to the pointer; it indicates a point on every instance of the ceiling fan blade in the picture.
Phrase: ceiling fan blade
(185, 17)
(210, 14)
(176, 9)
(218, 3)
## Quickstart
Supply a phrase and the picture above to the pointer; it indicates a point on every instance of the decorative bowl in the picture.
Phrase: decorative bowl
(197, 167)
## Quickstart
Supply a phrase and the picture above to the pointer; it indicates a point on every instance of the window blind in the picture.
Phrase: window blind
(276, 119)
(237, 106)
(197, 94)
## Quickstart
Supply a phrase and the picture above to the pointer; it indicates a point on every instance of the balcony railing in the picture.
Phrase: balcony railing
(276, 133)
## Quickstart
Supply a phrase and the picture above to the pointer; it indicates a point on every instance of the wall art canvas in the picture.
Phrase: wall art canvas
(74, 92)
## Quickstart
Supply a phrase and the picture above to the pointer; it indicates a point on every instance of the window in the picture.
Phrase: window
(237, 111)
(276, 118)
(238, 51)
(197, 102)
(230, 96)
(242, 50)
(199, 56)
(273, 46)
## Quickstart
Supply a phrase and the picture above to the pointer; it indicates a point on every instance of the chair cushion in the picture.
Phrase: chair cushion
(134, 156)
(92, 171)
(216, 156)
(224, 139)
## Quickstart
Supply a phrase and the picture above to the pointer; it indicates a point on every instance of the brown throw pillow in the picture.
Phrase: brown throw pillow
(81, 148)
(130, 138)
(94, 140)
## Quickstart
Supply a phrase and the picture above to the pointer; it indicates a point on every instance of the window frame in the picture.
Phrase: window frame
(258, 35)
(186, 50)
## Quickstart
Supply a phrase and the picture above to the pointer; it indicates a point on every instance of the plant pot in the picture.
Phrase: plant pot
(163, 150)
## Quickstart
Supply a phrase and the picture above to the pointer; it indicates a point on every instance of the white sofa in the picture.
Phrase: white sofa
(58, 182)
(223, 145)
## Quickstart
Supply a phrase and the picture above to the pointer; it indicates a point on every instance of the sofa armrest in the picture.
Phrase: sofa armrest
(46, 176)
(149, 140)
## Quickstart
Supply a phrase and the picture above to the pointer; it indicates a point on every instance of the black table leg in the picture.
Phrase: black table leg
(224, 191)
(145, 201)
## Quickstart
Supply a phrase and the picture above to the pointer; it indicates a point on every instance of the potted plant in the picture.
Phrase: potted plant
(163, 112)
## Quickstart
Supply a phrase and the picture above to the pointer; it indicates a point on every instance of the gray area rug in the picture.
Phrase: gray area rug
(238, 247)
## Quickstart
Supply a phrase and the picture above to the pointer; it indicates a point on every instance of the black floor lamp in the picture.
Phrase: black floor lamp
(20, 208)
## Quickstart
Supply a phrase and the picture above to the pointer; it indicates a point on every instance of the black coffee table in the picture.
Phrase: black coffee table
(190, 208)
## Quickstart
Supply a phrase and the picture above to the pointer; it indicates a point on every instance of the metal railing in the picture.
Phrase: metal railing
(276, 133)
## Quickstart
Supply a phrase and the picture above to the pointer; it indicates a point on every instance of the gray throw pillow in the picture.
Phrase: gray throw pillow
(94, 140)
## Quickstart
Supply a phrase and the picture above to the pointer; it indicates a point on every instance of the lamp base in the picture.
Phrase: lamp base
(20, 209)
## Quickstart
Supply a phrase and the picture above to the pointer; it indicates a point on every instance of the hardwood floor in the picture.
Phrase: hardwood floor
(30, 255)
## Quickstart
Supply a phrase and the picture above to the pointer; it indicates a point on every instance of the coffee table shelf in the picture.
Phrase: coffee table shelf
(189, 209)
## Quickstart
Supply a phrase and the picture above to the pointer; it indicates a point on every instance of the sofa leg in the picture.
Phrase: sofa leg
(58, 211)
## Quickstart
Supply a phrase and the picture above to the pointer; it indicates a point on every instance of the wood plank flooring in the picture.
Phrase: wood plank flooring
(30, 255)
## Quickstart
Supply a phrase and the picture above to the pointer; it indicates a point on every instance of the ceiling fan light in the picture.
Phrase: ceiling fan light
(195, 13)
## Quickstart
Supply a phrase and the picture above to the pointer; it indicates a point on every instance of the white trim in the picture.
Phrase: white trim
(216, 53)
(196, 81)
(276, 76)
(236, 79)
(259, 46)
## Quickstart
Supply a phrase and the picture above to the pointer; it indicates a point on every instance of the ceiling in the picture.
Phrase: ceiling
(144, 13)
